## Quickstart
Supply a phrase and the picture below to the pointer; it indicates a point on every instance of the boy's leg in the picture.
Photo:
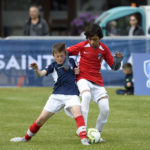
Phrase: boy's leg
(86, 97)
(76, 111)
(33, 129)
(52, 106)
(103, 105)
(121, 92)
(81, 128)
(99, 95)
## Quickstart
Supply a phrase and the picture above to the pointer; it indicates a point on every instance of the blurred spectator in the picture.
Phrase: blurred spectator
(134, 28)
(128, 82)
(149, 30)
(113, 30)
(35, 25)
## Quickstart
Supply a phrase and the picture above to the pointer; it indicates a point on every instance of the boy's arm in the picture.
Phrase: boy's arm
(113, 61)
(38, 72)
(117, 61)
(74, 50)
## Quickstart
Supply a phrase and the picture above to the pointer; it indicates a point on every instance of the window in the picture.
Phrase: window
(121, 24)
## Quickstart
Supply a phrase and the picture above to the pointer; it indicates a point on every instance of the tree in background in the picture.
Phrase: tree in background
(78, 24)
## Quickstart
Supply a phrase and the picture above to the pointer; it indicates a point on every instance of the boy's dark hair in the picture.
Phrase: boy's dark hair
(93, 29)
(59, 47)
(127, 66)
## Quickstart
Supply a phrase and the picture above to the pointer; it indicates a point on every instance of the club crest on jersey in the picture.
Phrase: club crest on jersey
(99, 55)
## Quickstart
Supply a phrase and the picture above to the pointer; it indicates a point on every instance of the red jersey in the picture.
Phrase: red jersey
(90, 60)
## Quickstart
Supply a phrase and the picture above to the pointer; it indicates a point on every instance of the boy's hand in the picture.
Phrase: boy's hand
(128, 84)
(76, 71)
(118, 54)
(34, 66)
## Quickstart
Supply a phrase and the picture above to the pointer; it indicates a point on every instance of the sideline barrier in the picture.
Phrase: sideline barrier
(141, 72)
(16, 53)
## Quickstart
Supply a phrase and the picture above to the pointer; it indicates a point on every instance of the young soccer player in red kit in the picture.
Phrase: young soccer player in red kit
(89, 80)
(65, 94)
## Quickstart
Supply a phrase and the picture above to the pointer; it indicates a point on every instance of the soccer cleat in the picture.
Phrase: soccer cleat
(80, 129)
(18, 139)
(85, 141)
(101, 140)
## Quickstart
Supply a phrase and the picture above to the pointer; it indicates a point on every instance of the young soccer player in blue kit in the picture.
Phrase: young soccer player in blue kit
(65, 94)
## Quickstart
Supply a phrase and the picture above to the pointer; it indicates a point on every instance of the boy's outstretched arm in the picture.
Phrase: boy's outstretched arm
(38, 72)
(117, 61)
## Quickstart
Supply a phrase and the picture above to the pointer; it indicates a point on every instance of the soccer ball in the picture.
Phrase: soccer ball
(93, 135)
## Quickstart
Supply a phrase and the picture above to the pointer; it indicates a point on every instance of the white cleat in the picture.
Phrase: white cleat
(85, 141)
(18, 139)
(101, 140)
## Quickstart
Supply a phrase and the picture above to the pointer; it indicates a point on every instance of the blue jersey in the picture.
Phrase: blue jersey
(129, 78)
(65, 81)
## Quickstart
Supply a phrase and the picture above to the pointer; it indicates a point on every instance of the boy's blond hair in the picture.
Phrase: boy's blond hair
(59, 47)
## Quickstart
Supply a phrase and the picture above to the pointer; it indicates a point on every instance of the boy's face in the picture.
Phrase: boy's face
(127, 70)
(94, 41)
(59, 57)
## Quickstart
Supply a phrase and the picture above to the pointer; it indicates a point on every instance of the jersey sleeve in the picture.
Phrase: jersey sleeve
(74, 50)
(108, 56)
(72, 62)
(49, 69)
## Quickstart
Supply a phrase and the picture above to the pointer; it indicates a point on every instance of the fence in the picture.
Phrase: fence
(16, 53)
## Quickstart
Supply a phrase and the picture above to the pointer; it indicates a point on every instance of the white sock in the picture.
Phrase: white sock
(86, 97)
(103, 105)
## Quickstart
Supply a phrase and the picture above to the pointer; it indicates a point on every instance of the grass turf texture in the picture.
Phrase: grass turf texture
(127, 128)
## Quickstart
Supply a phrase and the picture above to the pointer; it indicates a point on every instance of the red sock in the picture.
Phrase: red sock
(32, 130)
(80, 122)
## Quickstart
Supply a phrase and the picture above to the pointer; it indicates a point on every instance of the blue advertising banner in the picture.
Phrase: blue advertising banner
(17, 54)
(141, 72)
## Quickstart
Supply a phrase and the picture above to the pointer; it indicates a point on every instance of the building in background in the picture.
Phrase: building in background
(58, 13)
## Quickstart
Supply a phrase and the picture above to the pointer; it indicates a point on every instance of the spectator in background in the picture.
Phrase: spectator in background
(134, 29)
(35, 25)
(128, 82)
(149, 30)
(113, 30)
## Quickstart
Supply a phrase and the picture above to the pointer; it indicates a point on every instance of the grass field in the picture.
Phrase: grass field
(128, 126)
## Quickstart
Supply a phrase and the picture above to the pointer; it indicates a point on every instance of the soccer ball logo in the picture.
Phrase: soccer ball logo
(93, 135)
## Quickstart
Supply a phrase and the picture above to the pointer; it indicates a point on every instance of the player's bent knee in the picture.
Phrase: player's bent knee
(86, 95)
(103, 98)
(105, 109)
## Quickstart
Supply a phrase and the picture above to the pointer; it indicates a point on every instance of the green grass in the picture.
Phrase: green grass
(128, 126)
